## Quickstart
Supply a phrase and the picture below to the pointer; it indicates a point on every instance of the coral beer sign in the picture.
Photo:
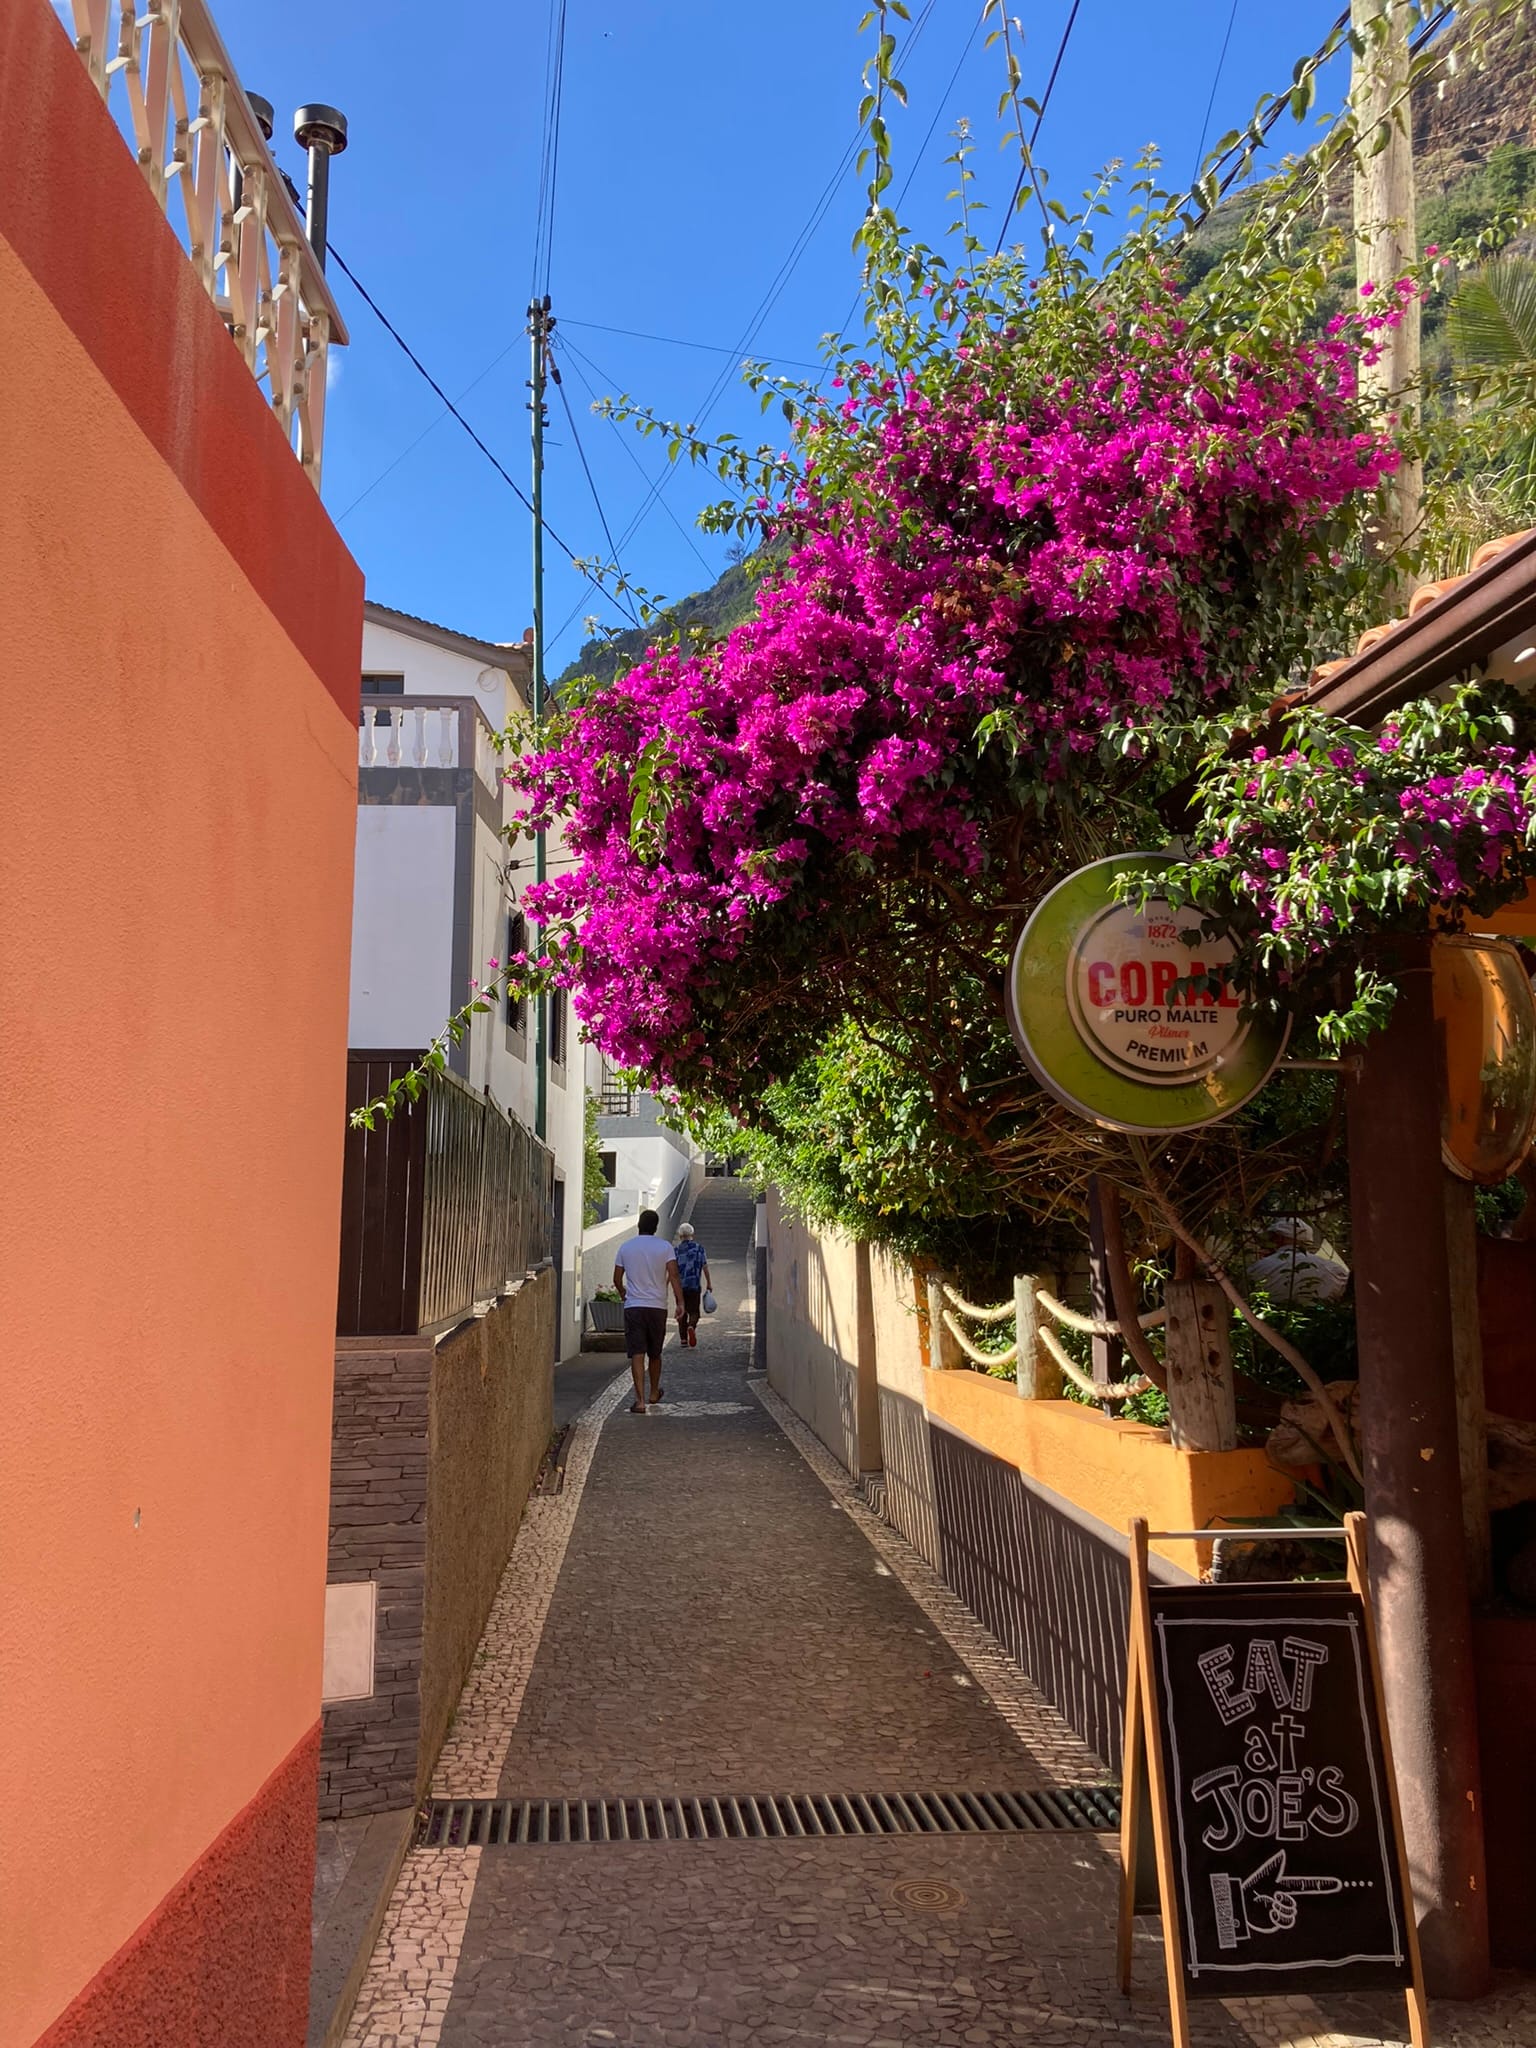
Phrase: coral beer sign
(1125, 1021)
(1149, 1005)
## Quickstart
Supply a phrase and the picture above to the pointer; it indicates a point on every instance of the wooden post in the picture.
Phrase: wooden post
(1471, 1409)
(1132, 1767)
(1037, 1374)
(1108, 1352)
(1359, 1578)
(1386, 230)
(944, 1354)
(1197, 1353)
(1411, 1450)
(1150, 1758)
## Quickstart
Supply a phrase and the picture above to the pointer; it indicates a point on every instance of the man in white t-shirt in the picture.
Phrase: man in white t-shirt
(644, 1269)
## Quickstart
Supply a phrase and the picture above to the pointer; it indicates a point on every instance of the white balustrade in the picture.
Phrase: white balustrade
(427, 733)
(197, 142)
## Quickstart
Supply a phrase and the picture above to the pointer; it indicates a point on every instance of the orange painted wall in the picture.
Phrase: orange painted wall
(1108, 1468)
(178, 789)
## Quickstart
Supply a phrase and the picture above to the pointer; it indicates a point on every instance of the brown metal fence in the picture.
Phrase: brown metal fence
(442, 1205)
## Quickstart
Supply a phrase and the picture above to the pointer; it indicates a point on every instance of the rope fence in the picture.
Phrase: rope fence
(1029, 1296)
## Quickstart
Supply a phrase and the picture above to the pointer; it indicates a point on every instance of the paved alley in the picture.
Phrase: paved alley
(708, 1609)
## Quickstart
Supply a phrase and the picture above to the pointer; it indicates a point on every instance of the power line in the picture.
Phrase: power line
(429, 428)
(943, 102)
(798, 248)
(549, 161)
(713, 348)
(1205, 125)
(581, 453)
(1025, 168)
(769, 300)
(422, 371)
(901, 197)
(625, 440)
(1330, 46)
(1240, 148)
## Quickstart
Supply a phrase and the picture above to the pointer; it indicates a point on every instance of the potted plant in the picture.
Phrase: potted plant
(606, 1308)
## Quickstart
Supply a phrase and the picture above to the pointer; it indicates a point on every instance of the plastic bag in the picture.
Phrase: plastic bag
(708, 1304)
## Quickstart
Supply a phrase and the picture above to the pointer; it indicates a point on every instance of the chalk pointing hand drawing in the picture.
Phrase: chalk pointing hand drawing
(1264, 1903)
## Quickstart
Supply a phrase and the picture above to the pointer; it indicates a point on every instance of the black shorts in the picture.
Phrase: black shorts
(645, 1329)
(691, 1299)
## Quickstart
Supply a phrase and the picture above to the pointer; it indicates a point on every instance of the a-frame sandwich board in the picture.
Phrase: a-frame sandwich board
(1147, 1798)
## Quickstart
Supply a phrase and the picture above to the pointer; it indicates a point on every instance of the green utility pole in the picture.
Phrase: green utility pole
(539, 324)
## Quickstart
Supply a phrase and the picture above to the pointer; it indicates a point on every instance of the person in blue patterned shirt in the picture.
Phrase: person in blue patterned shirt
(693, 1271)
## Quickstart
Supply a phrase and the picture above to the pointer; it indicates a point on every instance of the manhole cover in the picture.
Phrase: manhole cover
(702, 1408)
(927, 1895)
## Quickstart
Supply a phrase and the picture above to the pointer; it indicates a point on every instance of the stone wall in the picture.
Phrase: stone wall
(379, 1457)
(817, 1310)
(435, 1444)
(491, 1418)
(903, 1419)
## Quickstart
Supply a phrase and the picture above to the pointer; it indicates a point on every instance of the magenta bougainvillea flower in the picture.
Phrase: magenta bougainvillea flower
(996, 569)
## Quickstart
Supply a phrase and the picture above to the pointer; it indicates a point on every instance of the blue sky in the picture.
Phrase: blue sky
(698, 140)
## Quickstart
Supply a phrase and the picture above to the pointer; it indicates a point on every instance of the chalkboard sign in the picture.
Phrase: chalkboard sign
(1256, 1752)
(1284, 1858)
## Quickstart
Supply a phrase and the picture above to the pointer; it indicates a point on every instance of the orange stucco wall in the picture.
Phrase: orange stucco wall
(178, 790)
(1111, 1469)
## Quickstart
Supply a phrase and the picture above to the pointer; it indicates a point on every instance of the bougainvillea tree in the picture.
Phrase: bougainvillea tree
(1006, 569)
(1050, 535)
(1049, 523)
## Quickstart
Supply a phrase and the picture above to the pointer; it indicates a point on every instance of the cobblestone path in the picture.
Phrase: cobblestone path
(708, 1608)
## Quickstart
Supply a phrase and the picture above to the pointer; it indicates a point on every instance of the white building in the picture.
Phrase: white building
(645, 1166)
(439, 887)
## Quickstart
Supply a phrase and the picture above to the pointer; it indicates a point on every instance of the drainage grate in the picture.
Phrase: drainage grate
(775, 1817)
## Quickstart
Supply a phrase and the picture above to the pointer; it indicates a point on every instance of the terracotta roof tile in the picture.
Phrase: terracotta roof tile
(1423, 597)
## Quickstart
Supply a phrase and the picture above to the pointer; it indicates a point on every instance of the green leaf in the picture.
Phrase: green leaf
(1492, 320)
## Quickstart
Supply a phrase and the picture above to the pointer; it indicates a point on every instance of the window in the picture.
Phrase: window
(610, 1168)
(378, 686)
(557, 1027)
(517, 942)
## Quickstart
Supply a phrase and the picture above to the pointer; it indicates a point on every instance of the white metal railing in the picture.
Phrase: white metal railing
(198, 143)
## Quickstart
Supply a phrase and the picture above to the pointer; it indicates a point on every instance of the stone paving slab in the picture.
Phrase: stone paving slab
(719, 1625)
(713, 1609)
(964, 1943)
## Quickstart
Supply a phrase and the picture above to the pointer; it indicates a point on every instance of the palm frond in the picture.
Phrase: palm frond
(1493, 317)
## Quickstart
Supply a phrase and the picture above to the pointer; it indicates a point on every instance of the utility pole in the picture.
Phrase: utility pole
(1386, 230)
(539, 324)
